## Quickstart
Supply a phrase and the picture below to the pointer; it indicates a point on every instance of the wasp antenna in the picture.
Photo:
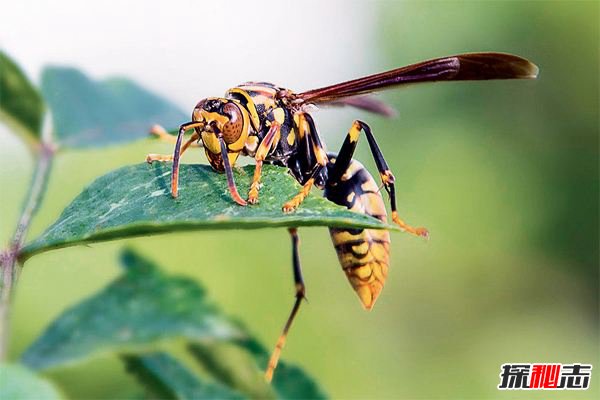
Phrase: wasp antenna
(177, 154)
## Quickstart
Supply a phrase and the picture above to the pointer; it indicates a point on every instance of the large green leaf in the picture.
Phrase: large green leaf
(88, 113)
(145, 306)
(136, 200)
(166, 378)
(17, 382)
(20, 101)
(139, 308)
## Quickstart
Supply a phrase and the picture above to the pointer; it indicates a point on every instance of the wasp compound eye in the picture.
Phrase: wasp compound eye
(233, 128)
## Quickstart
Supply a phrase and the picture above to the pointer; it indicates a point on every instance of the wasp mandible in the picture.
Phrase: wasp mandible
(272, 124)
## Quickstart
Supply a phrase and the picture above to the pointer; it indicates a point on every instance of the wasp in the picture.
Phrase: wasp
(273, 125)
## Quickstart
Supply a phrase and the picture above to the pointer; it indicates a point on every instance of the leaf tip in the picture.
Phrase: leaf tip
(132, 261)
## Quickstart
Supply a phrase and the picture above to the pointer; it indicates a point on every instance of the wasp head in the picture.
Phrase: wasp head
(224, 120)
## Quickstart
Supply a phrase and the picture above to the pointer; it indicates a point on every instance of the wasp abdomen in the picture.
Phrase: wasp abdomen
(363, 253)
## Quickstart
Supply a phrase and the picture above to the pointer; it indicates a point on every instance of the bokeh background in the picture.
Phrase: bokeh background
(504, 175)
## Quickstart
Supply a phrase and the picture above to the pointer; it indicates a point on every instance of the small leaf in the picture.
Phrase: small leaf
(289, 381)
(88, 113)
(234, 367)
(136, 200)
(20, 102)
(166, 378)
(20, 383)
(139, 308)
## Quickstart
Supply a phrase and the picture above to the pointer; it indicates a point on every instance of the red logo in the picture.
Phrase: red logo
(544, 376)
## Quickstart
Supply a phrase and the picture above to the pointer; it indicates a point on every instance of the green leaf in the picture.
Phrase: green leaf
(234, 367)
(144, 306)
(136, 200)
(139, 308)
(89, 113)
(166, 378)
(289, 381)
(244, 370)
(20, 383)
(20, 102)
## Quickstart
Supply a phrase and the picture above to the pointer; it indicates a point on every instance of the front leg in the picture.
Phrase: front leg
(229, 172)
(161, 133)
(261, 153)
(150, 158)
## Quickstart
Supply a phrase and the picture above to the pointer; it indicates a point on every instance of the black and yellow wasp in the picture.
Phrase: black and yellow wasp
(272, 125)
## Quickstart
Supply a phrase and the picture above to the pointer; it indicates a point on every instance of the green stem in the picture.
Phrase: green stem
(9, 258)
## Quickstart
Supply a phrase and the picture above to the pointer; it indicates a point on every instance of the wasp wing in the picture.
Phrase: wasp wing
(366, 103)
(463, 67)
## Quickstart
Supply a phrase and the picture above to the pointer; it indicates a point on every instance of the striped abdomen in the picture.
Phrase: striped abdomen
(363, 253)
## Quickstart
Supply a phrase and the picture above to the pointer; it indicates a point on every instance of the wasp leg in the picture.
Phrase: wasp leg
(229, 173)
(164, 136)
(177, 153)
(261, 153)
(387, 177)
(300, 292)
(308, 131)
(150, 158)
(291, 205)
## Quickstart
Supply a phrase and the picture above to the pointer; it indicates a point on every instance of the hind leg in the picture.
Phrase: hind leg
(299, 286)
(345, 157)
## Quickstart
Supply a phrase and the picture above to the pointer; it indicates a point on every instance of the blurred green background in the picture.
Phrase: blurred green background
(503, 174)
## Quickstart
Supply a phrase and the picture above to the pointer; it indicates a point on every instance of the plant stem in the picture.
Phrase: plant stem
(9, 258)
